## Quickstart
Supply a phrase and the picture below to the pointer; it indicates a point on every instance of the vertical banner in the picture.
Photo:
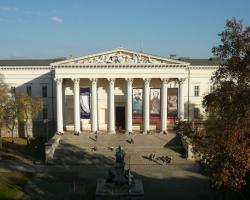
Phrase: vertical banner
(137, 104)
(85, 103)
(172, 102)
(155, 102)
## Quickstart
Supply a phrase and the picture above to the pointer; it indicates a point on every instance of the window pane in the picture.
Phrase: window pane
(196, 113)
(196, 90)
(28, 90)
(45, 112)
(44, 91)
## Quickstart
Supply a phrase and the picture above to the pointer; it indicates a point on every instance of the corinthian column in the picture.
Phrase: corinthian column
(164, 114)
(129, 106)
(181, 99)
(59, 105)
(76, 82)
(111, 106)
(94, 105)
(146, 105)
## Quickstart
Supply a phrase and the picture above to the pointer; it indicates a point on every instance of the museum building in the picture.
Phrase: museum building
(114, 91)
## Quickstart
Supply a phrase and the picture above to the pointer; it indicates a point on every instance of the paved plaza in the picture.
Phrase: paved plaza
(74, 171)
(79, 149)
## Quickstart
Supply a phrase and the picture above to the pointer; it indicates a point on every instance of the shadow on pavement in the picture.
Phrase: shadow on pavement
(70, 181)
(73, 155)
(176, 145)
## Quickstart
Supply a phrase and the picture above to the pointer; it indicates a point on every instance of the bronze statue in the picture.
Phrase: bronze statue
(120, 155)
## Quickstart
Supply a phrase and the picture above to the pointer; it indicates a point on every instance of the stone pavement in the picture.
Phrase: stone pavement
(160, 182)
(74, 171)
(75, 150)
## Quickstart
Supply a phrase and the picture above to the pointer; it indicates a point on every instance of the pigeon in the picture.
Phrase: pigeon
(94, 148)
(111, 148)
(152, 156)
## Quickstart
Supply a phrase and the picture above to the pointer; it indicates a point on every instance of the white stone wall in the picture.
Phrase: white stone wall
(36, 77)
(199, 76)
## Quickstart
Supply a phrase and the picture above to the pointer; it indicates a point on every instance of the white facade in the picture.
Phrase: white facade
(111, 77)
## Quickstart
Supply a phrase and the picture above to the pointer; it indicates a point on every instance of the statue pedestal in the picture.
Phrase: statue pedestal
(111, 191)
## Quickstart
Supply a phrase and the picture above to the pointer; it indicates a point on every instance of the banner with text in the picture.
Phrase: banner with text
(85, 103)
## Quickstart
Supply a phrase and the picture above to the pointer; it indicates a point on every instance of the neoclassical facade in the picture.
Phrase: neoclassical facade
(114, 91)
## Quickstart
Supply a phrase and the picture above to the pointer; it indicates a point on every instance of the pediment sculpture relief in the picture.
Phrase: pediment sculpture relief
(118, 58)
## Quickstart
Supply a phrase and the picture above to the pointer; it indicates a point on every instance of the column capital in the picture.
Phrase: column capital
(111, 80)
(147, 80)
(93, 80)
(181, 80)
(58, 81)
(76, 80)
(129, 80)
(164, 80)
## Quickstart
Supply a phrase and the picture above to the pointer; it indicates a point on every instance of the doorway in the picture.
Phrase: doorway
(120, 119)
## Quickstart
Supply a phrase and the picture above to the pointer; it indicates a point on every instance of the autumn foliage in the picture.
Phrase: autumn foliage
(17, 107)
(225, 143)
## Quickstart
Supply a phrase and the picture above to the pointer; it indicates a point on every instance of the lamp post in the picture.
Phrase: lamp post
(46, 121)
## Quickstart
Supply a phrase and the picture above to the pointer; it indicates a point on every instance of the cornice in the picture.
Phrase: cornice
(200, 67)
(108, 66)
(25, 67)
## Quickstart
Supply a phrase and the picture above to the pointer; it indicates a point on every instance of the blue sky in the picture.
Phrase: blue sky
(55, 28)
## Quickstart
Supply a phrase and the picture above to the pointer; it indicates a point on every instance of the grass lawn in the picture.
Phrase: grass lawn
(34, 151)
(12, 184)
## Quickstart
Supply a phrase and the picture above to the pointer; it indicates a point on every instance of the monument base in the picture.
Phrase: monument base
(111, 191)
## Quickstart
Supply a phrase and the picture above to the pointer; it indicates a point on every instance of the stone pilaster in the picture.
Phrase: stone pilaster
(146, 114)
(94, 128)
(181, 99)
(59, 105)
(111, 106)
(164, 105)
(129, 106)
(76, 82)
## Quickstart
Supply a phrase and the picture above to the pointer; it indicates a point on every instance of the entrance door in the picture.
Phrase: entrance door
(120, 119)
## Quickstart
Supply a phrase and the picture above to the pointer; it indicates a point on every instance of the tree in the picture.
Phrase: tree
(3, 100)
(11, 112)
(28, 109)
(225, 146)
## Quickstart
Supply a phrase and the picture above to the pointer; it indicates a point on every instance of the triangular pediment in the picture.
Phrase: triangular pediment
(119, 56)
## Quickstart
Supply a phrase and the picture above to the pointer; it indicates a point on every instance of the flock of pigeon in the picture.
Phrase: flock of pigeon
(111, 148)
(164, 159)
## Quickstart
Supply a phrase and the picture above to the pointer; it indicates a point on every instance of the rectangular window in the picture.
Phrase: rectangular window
(45, 112)
(196, 113)
(196, 90)
(28, 88)
(44, 91)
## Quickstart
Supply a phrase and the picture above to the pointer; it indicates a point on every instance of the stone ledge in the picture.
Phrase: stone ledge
(186, 143)
(51, 146)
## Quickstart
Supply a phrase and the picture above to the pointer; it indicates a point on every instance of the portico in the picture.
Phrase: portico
(116, 78)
